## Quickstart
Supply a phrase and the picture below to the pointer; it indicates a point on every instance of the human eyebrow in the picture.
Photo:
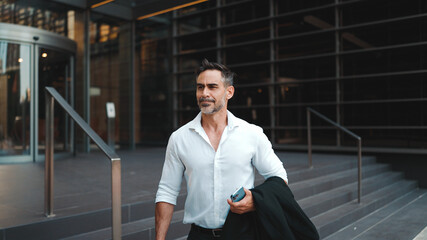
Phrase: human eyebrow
(212, 85)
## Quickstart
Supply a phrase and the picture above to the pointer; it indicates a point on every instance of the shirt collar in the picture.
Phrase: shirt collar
(196, 124)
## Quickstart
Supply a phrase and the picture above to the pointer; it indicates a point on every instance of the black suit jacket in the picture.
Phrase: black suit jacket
(277, 217)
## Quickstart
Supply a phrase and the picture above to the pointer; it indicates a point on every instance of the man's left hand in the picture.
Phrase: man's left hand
(243, 206)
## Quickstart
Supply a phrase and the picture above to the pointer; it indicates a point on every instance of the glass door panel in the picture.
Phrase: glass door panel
(54, 71)
(15, 98)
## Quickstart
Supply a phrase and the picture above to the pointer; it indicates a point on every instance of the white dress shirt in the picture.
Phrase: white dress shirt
(213, 176)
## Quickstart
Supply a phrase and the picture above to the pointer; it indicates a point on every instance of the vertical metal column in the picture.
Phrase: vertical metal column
(49, 176)
(72, 87)
(310, 161)
(271, 88)
(67, 119)
(35, 102)
(132, 88)
(359, 170)
(338, 70)
(218, 33)
(174, 70)
(86, 79)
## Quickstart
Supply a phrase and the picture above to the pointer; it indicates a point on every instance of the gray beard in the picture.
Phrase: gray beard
(214, 109)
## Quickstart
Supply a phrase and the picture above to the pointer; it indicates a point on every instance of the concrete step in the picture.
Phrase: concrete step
(375, 175)
(362, 227)
(343, 215)
(322, 202)
(319, 170)
(65, 226)
(317, 185)
(139, 230)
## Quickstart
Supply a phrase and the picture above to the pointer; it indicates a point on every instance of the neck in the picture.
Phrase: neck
(216, 121)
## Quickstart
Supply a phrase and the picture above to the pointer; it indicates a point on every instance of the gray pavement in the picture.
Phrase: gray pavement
(82, 183)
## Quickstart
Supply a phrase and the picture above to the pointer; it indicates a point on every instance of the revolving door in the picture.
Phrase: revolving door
(30, 60)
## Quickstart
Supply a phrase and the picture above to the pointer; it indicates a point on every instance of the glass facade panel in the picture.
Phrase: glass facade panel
(295, 92)
(259, 116)
(372, 11)
(312, 21)
(153, 88)
(187, 81)
(311, 68)
(197, 23)
(52, 17)
(205, 40)
(247, 11)
(188, 63)
(186, 116)
(304, 46)
(386, 34)
(392, 87)
(197, 9)
(288, 6)
(250, 96)
(258, 73)
(246, 33)
(110, 75)
(187, 100)
(387, 60)
(247, 53)
(15, 98)
(408, 113)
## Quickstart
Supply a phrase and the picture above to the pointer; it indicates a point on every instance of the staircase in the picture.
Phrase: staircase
(327, 193)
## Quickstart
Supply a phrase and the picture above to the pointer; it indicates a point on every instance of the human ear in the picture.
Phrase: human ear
(230, 92)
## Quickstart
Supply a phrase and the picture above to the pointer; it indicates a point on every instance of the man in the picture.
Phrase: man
(216, 153)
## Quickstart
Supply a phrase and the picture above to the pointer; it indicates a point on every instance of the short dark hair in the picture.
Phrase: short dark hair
(227, 74)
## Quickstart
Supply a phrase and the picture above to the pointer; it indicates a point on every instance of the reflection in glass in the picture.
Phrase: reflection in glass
(153, 80)
(54, 70)
(14, 99)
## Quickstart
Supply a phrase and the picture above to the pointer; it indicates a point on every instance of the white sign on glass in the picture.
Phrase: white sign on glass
(111, 112)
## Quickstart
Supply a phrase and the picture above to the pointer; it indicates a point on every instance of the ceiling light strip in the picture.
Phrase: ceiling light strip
(170, 9)
(101, 3)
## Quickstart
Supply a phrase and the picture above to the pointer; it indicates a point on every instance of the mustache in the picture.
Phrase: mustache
(202, 99)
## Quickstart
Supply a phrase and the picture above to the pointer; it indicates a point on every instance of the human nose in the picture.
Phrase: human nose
(205, 92)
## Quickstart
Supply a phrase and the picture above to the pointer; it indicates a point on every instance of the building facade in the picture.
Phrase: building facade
(360, 63)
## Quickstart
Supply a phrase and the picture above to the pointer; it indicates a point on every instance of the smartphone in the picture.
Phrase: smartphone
(238, 195)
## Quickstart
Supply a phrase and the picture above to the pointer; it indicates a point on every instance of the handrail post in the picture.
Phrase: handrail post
(310, 162)
(338, 126)
(49, 171)
(116, 207)
(359, 166)
(116, 212)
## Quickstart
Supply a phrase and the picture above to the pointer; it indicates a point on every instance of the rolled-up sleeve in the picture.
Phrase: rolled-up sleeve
(266, 161)
(173, 169)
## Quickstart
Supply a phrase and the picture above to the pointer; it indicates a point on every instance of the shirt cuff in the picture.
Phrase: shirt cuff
(165, 198)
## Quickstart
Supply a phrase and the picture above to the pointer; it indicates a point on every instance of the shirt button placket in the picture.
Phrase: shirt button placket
(217, 183)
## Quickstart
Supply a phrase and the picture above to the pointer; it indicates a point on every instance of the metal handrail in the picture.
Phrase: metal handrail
(50, 95)
(358, 138)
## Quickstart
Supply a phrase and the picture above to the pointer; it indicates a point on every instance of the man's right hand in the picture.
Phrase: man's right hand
(163, 215)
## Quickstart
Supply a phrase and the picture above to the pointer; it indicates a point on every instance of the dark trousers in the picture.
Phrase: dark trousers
(246, 233)
(197, 234)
